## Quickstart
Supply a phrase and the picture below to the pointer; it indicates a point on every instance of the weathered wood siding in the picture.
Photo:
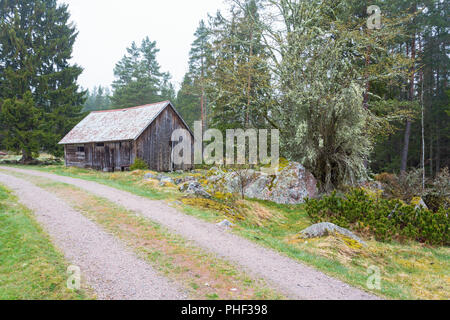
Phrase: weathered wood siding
(73, 158)
(155, 145)
(110, 156)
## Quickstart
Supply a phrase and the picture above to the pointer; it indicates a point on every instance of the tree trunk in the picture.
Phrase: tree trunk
(367, 89)
(249, 82)
(438, 149)
(404, 162)
(202, 101)
(423, 123)
(26, 157)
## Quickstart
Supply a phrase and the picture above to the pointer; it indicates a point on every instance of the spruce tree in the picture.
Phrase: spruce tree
(239, 78)
(191, 98)
(21, 121)
(36, 41)
(188, 102)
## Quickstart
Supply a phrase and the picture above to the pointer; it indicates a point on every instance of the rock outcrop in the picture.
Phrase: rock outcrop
(292, 185)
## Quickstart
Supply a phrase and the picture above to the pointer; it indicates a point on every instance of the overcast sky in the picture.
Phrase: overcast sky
(107, 27)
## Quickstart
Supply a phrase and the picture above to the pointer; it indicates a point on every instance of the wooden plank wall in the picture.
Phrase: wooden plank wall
(155, 146)
(112, 156)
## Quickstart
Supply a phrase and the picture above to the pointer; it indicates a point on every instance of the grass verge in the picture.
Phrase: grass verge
(30, 267)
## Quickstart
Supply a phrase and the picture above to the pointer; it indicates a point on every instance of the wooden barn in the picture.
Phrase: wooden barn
(111, 140)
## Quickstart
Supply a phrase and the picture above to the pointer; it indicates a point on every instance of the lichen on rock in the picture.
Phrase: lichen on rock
(325, 228)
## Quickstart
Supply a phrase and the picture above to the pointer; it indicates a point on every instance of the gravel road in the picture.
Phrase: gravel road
(109, 268)
(296, 280)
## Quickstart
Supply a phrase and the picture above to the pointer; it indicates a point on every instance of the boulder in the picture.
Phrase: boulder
(292, 185)
(325, 228)
(260, 187)
(196, 189)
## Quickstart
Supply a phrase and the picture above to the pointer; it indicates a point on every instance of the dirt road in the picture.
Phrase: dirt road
(110, 269)
(296, 280)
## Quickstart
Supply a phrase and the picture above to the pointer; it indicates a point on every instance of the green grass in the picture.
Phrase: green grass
(409, 270)
(30, 267)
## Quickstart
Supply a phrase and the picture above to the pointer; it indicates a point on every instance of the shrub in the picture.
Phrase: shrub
(385, 219)
(438, 192)
(404, 186)
(139, 164)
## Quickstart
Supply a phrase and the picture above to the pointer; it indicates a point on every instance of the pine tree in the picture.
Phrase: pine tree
(188, 102)
(36, 41)
(139, 80)
(191, 98)
(239, 78)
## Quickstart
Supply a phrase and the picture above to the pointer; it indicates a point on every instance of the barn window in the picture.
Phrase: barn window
(100, 144)
(80, 149)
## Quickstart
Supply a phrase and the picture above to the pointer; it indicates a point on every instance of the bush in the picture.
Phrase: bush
(385, 219)
(139, 164)
(437, 194)
(404, 186)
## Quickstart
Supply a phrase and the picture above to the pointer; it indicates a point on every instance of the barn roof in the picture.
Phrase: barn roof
(115, 125)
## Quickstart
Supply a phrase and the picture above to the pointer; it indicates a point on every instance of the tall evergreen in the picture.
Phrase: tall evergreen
(36, 41)
(239, 78)
(22, 120)
(191, 98)
(188, 102)
(139, 80)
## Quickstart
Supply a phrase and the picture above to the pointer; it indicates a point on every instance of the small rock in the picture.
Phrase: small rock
(325, 228)
(233, 289)
(225, 224)
(184, 187)
(420, 203)
(149, 176)
(166, 180)
(178, 181)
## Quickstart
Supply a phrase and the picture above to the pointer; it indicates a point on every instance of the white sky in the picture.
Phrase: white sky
(107, 27)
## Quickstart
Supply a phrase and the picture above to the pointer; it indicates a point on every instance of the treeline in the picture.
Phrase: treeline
(346, 98)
